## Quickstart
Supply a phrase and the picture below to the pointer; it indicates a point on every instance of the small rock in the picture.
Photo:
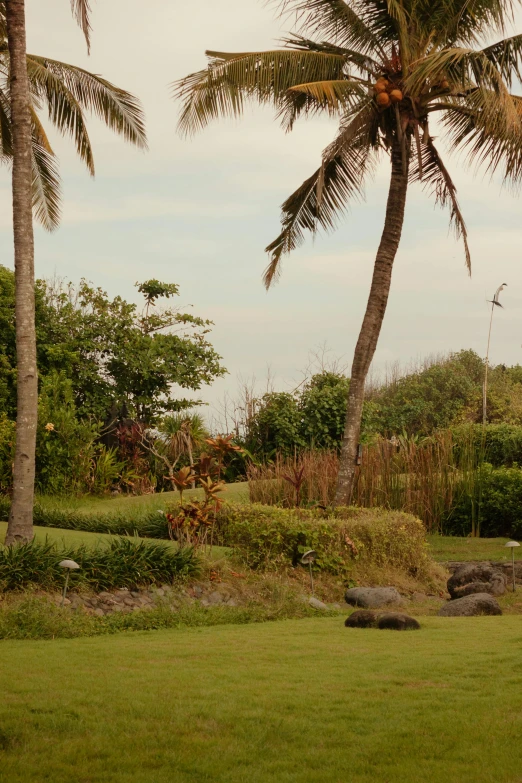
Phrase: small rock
(471, 606)
(373, 597)
(160, 591)
(316, 603)
(231, 602)
(128, 602)
(198, 592)
(135, 594)
(215, 598)
(337, 607)
(419, 597)
(99, 612)
(105, 594)
(395, 621)
(362, 618)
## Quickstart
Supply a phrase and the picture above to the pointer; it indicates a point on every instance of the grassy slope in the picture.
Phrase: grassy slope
(286, 702)
(443, 548)
(75, 538)
(235, 492)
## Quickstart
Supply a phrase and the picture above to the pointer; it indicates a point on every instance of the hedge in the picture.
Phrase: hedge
(268, 537)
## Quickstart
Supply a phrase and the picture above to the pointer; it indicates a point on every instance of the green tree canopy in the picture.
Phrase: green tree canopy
(117, 356)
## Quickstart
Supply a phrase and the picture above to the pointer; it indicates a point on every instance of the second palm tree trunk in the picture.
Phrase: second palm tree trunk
(20, 527)
(371, 326)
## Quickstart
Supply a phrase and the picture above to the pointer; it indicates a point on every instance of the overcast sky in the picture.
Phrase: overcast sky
(199, 212)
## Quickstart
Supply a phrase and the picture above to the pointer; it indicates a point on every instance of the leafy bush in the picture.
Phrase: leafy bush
(502, 445)
(269, 537)
(496, 501)
(123, 563)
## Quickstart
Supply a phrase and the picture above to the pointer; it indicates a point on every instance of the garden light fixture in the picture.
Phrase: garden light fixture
(307, 559)
(511, 545)
(70, 565)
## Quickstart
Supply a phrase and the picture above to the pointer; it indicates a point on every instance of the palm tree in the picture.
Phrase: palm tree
(30, 83)
(387, 69)
(185, 433)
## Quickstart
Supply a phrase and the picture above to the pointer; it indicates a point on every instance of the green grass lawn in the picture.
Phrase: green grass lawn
(285, 702)
(443, 548)
(237, 492)
(75, 538)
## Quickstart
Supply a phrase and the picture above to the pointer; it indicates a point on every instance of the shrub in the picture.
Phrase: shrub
(497, 502)
(269, 537)
(122, 563)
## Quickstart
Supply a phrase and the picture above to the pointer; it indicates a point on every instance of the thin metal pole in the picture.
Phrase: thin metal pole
(65, 587)
(311, 578)
(485, 388)
(513, 564)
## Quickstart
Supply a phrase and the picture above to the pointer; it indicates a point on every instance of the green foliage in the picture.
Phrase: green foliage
(123, 563)
(502, 444)
(116, 357)
(66, 445)
(270, 537)
(7, 445)
(495, 499)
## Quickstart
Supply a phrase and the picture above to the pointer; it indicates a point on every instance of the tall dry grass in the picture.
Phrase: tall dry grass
(423, 478)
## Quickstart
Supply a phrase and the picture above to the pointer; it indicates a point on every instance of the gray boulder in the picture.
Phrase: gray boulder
(373, 597)
(471, 606)
(317, 604)
(396, 621)
(473, 578)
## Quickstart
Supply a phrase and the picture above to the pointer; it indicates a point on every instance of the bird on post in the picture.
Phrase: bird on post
(495, 301)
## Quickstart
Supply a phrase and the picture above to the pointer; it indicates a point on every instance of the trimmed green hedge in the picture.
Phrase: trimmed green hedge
(121, 563)
(267, 537)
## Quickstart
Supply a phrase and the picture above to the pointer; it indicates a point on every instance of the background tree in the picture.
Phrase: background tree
(385, 68)
(121, 360)
(34, 181)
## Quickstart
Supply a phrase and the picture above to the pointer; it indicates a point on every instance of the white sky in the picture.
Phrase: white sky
(200, 212)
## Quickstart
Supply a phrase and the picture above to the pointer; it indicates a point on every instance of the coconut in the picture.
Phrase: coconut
(396, 95)
(383, 99)
(380, 85)
(444, 85)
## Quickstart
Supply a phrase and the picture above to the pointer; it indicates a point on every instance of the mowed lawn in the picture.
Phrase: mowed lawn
(299, 701)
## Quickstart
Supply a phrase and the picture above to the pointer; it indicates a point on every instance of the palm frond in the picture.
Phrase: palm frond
(467, 72)
(336, 20)
(506, 56)
(436, 179)
(229, 79)
(324, 197)
(64, 110)
(480, 126)
(81, 11)
(117, 108)
(465, 22)
(6, 139)
(45, 186)
(333, 95)
(361, 62)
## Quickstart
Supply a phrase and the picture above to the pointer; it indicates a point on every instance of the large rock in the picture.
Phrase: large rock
(471, 606)
(394, 621)
(373, 597)
(362, 618)
(476, 578)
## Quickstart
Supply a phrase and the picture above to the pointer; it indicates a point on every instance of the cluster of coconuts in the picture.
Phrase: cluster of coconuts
(386, 93)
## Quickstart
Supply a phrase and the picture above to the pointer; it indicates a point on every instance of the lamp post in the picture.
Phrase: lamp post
(69, 565)
(307, 559)
(511, 545)
(494, 303)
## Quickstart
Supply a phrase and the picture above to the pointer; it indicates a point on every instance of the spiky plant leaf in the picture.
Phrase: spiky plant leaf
(81, 10)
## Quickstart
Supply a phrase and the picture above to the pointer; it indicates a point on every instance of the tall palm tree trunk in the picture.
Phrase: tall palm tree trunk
(373, 318)
(20, 527)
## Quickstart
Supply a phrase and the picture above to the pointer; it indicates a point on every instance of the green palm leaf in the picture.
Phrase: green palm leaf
(437, 181)
(325, 196)
(221, 89)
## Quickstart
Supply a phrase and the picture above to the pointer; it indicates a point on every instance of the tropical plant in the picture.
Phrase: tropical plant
(386, 69)
(185, 432)
(30, 83)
